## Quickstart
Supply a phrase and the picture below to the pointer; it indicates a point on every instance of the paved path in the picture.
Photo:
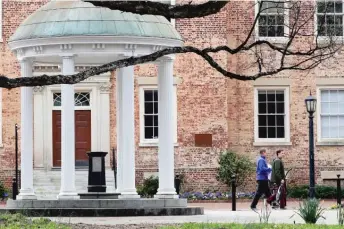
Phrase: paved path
(219, 213)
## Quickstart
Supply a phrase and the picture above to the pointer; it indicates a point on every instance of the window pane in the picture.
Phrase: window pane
(280, 120)
(334, 132)
(333, 96)
(271, 31)
(271, 132)
(333, 108)
(263, 31)
(155, 95)
(271, 120)
(325, 108)
(263, 20)
(271, 108)
(321, 6)
(155, 108)
(339, 31)
(262, 108)
(155, 120)
(280, 108)
(262, 120)
(333, 121)
(148, 132)
(271, 96)
(280, 96)
(272, 20)
(148, 120)
(338, 7)
(338, 20)
(261, 96)
(280, 31)
(341, 96)
(341, 132)
(148, 95)
(156, 132)
(280, 132)
(325, 129)
(149, 108)
(329, 7)
(262, 132)
(325, 96)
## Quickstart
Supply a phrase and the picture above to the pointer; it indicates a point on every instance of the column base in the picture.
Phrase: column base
(26, 194)
(129, 196)
(166, 196)
(68, 196)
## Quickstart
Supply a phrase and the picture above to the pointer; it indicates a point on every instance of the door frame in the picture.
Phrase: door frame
(99, 88)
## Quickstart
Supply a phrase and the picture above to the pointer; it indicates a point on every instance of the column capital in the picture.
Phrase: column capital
(167, 58)
(67, 55)
(26, 60)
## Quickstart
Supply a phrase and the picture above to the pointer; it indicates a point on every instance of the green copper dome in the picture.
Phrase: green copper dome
(76, 18)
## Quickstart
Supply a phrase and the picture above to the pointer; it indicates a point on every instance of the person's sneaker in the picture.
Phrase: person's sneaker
(254, 209)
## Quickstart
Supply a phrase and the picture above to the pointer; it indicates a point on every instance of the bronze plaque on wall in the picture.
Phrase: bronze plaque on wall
(203, 140)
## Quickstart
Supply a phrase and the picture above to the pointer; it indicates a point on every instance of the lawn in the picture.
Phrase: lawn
(18, 221)
(251, 226)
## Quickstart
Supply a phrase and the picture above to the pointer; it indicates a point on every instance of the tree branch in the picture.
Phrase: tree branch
(163, 9)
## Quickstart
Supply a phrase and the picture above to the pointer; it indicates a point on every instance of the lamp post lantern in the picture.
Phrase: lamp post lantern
(311, 102)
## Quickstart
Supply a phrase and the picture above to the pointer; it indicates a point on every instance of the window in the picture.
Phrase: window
(151, 129)
(332, 113)
(330, 18)
(272, 21)
(81, 99)
(149, 111)
(272, 115)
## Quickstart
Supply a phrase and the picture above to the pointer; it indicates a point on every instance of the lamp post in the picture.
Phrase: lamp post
(311, 102)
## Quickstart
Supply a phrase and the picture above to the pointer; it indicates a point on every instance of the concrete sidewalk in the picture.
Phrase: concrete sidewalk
(214, 212)
(210, 216)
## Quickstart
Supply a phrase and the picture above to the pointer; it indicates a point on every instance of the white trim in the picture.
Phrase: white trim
(95, 39)
(154, 142)
(320, 140)
(273, 141)
(173, 21)
(273, 39)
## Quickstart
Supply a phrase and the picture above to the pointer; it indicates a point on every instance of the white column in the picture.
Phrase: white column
(166, 188)
(26, 131)
(127, 132)
(68, 190)
(38, 128)
(119, 79)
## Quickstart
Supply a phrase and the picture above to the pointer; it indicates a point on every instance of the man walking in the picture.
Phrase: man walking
(278, 176)
(262, 179)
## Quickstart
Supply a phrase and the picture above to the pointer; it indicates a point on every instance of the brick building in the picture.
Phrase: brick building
(213, 113)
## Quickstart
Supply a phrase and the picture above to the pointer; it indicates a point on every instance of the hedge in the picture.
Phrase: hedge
(321, 192)
(251, 226)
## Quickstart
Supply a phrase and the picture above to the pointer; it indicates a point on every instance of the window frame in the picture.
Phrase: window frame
(272, 39)
(323, 38)
(286, 138)
(154, 142)
(320, 139)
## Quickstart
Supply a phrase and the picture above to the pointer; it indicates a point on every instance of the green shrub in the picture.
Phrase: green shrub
(2, 190)
(321, 192)
(149, 187)
(310, 211)
(231, 164)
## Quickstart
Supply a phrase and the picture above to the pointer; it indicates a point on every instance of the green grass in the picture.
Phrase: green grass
(251, 226)
(18, 221)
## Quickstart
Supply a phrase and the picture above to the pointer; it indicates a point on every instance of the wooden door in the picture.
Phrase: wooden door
(82, 137)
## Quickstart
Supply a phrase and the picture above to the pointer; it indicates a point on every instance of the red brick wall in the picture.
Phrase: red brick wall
(207, 102)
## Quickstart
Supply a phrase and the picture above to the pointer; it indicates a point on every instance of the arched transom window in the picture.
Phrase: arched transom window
(81, 99)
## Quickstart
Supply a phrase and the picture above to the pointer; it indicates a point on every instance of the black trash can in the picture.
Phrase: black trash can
(96, 172)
